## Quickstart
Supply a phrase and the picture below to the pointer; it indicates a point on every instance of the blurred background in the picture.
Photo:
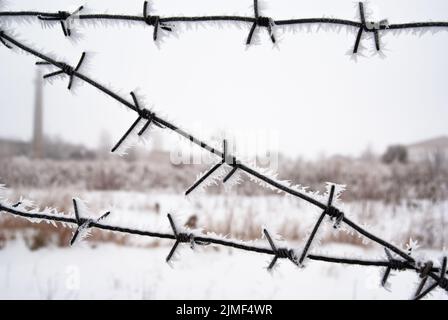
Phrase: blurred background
(376, 124)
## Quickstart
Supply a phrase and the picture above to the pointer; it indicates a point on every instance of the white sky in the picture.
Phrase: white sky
(307, 91)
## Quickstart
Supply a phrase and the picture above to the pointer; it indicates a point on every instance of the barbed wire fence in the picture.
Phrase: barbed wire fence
(396, 258)
(82, 224)
(67, 19)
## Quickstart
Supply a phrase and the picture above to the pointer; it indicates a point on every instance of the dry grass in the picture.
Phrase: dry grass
(39, 235)
(240, 221)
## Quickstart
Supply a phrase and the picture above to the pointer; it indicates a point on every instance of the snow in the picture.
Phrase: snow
(48, 285)
(114, 272)
(244, 217)
(92, 270)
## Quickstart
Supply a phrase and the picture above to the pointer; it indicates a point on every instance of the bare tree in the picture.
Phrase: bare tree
(395, 153)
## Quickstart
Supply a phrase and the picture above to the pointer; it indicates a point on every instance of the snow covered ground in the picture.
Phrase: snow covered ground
(243, 217)
(114, 272)
(100, 268)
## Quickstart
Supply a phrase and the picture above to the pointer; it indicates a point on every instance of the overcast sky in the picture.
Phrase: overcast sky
(305, 92)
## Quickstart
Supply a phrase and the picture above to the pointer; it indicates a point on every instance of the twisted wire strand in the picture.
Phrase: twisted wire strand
(256, 21)
(278, 253)
(228, 18)
(208, 239)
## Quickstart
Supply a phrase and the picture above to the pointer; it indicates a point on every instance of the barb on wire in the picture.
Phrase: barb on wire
(65, 68)
(83, 224)
(64, 17)
(424, 274)
(230, 161)
(333, 212)
(257, 20)
(3, 41)
(369, 26)
(154, 21)
(394, 264)
(261, 21)
(441, 282)
(226, 158)
(282, 253)
(17, 204)
(316, 226)
(142, 114)
(182, 237)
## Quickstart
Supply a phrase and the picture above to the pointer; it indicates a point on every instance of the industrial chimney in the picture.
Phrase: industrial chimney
(38, 135)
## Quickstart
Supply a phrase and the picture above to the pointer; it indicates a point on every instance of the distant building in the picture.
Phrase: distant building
(54, 149)
(428, 149)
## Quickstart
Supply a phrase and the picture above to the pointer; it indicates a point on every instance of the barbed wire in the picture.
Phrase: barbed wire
(66, 20)
(186, 236)
(225, 158)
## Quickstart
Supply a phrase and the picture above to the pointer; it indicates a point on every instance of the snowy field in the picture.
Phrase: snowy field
(104, 269)
(243, 217)
(113, 272)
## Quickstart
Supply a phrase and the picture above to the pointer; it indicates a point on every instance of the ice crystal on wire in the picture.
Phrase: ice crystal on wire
(411, 246)
(269, 173)
(315, 244)
(280, 244)
(9, 21)
(133, 139)
(85, 67)
(338, 190)
(27, 206)
(24, 203)
(233, 181)
(213, 179)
